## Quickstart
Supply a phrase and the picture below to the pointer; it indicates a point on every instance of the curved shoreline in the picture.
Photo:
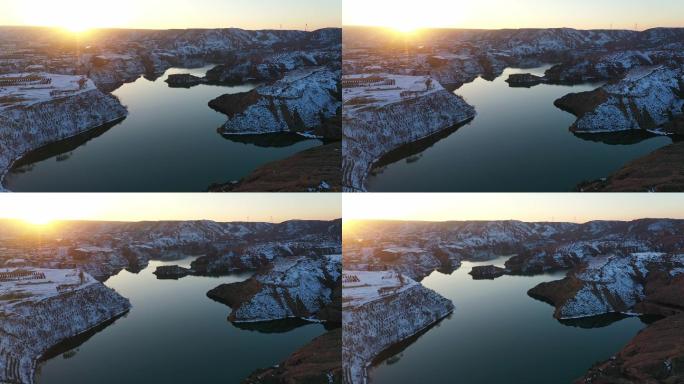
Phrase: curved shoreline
(4, 172)
(107, 110)
(66, 312)
(442, 109)
(55, 347)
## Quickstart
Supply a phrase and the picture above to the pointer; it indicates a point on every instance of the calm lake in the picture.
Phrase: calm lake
(168, 142)
(498, 334)
(174, 334)
(518, 142)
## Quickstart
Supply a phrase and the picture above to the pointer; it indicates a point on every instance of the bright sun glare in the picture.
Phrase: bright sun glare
(38, 219)
(76, 16)
(46, 211)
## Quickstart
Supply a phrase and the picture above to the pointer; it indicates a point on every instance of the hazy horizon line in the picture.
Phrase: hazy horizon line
(160, 29)
(508, 28)
(518, 220)
(167, 221)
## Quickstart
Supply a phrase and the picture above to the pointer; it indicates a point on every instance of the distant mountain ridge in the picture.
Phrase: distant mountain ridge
(507, 38)
(534, 247)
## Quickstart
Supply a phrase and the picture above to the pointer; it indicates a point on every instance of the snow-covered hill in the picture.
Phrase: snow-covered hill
(379, 310)
(380, 118)
(39, 311)
(299, 102)
(418, 248)
(645, 99)
(104, 248)
(607, 284)
(45, 113)
(292, 287)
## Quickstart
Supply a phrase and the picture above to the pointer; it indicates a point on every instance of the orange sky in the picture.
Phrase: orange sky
(79, 15)
(45, 207)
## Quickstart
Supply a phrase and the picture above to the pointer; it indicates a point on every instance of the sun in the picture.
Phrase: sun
(348, 226)
(77, 27)
(38, 219)
(406, 28)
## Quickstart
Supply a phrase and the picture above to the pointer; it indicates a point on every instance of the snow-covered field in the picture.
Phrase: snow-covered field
(50, 283)
(363, 287)
(380, 95)
(26, 95)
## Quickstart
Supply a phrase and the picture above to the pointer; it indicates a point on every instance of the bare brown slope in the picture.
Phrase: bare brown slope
(320, 361)
(656, 354)
(303, 172)
(660, 171)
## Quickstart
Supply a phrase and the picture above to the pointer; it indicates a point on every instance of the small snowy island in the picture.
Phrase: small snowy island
(40, 308)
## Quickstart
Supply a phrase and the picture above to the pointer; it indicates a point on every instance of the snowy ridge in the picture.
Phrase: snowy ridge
(415, 249)
(270, 67)
(371, 131)
(46, 311)
(44, 120)
(301, 100)
(119, 56)
(293, 287)
(414, 262)
(523, 42)
(612, 65)
(615, 284)
(104, 248)
(647, 98)
(565, 256)
(196, 47)
(381, 309)
(254, 256)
